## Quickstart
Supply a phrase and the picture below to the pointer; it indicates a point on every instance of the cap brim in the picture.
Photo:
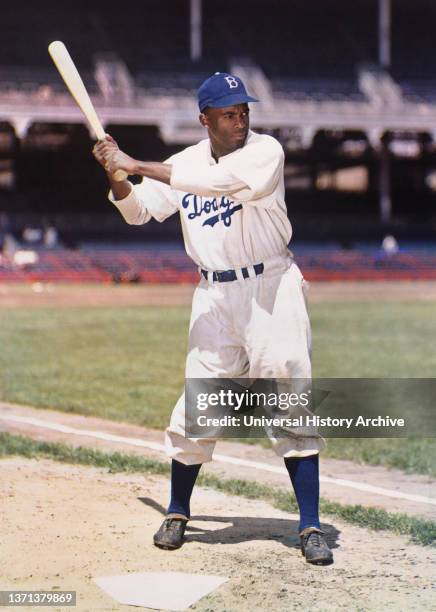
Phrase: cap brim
(230, 100)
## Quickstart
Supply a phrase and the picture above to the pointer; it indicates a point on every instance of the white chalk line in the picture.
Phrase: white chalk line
(101, 435)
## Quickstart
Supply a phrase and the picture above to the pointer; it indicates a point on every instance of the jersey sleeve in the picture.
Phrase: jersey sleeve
(146, 200)
(260, 167)
(253, 174)
(211, 181)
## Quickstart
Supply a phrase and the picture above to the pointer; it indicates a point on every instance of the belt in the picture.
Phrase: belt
(230, 275)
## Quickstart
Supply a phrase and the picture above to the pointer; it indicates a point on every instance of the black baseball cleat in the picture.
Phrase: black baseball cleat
(170, 533)
(314, 547)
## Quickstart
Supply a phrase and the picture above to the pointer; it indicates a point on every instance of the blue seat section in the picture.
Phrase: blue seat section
(168, 263)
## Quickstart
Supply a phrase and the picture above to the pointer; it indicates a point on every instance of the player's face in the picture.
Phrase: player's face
(227, 127)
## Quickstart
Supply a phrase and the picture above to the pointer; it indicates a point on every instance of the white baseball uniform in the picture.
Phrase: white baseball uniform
(233, 216)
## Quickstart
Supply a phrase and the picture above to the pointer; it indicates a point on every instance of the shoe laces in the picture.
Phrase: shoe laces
(172, 524)
(316, 539)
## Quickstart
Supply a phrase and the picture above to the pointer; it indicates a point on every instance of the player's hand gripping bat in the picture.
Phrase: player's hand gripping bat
(73, 81)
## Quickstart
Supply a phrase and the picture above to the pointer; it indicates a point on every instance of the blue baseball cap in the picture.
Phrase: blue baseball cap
(222, 89)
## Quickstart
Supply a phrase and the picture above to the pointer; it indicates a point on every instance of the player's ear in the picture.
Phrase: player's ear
(203, 120)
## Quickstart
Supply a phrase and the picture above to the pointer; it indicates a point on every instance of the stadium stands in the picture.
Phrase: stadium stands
(155, 35)
(413, 54)
(162, 83)
(309, 39)
(317, 89)
(418, 91)
(23, 79)
(312, 56)
(167, 264)
(54, 266)
(298, 40)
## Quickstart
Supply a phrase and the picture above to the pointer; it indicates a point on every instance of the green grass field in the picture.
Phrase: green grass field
(127, 363)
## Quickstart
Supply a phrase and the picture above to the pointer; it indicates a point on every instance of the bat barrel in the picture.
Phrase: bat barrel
(69, 73)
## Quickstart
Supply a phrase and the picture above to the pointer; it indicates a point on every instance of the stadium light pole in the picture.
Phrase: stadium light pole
(196, 29)
(384, 33)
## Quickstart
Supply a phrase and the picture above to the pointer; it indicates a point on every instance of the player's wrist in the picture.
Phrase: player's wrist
(136, 166)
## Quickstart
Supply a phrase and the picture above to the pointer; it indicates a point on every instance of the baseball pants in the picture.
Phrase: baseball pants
(249, 328)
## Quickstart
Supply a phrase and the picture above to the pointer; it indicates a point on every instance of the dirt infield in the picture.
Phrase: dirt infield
(49, 294)
(85, 426)
(63, 525)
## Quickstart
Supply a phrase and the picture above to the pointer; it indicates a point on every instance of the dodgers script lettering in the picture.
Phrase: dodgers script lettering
(199, 206)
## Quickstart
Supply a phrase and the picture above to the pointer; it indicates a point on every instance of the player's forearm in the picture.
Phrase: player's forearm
(153, 170)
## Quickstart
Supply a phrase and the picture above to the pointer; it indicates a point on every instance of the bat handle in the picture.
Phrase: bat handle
(120, 175)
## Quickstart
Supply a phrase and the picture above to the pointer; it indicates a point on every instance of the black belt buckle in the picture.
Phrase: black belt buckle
(225, 277)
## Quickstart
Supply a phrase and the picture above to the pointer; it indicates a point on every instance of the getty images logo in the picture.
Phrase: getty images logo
(231, 81)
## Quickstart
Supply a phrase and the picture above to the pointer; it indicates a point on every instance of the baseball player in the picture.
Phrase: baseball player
(249, 316)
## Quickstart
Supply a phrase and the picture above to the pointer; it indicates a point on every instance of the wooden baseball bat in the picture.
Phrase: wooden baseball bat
(73, 81)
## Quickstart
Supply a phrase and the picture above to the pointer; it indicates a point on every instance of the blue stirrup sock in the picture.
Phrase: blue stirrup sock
(183, 479)
(304, 473)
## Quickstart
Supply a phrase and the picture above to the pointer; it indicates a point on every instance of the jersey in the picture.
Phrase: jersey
(233, 211)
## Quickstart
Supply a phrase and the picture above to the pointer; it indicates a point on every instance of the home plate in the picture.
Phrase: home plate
(159, 590)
